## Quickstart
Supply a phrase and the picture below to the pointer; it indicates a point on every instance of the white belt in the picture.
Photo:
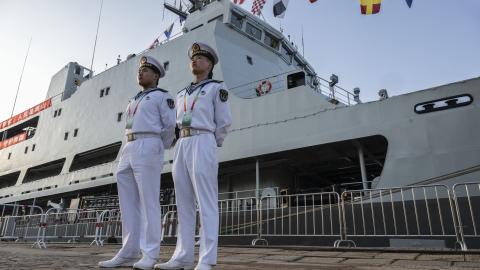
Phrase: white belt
(188, 132)
(136, 136)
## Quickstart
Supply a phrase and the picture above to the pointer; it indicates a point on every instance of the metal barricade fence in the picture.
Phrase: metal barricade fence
(169, 224)
(8, 228)
(168, 208)
(418, 211)
(467, 198)
(20, 209)
(26, 227)
(20, 227)
(238, 217)
(106, 226)
(69, 225)
(314, 214)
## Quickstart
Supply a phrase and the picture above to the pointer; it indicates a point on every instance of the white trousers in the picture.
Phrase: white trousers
(195, 171)
(138, 182)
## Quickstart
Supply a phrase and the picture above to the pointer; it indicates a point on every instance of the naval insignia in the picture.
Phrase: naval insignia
(171, 103)
(143, 60)
(195, 47)
(223, 95)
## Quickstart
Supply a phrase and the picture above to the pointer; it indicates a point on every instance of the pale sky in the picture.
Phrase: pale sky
(401, 49)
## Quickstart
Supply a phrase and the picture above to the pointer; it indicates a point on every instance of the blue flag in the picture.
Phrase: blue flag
(168, 31)
(409, 3)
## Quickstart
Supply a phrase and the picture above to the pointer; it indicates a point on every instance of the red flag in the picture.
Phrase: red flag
(313, 1)
(257, 6)
(154, 44)
(238, 2)
(370, 6)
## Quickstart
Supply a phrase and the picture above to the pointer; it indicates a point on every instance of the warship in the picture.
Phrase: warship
(293, 132)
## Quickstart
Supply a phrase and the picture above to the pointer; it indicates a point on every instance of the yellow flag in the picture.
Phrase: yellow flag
(370, 6)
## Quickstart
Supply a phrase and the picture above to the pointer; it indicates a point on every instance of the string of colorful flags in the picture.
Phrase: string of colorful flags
(367, 7)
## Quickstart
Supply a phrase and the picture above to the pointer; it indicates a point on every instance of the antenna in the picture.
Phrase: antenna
(96, 36)
(261, 14)
(303, 44)
(163, 11)
(21, 75)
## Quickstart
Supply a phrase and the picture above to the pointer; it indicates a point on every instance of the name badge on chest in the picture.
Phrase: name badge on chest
(129, 122)
(187, 119)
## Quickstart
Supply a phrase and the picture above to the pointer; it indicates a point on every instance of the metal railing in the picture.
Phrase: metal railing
(336, 92)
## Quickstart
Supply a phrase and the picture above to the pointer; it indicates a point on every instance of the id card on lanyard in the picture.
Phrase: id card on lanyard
(131, 113)
(187, 115)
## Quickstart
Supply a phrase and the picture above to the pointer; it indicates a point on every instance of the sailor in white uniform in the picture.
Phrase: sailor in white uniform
(150, 128)
(203, 116)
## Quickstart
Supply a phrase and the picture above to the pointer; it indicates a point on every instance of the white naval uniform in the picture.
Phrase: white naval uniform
(139, 171)
(195, 170)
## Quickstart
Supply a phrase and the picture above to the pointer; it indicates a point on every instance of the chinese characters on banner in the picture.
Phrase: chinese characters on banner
(14, 140)
(26, 114)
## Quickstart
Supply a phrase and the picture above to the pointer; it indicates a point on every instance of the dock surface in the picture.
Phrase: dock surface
(83, 256)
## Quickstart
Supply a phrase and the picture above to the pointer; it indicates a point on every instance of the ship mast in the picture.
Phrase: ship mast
(194, 5)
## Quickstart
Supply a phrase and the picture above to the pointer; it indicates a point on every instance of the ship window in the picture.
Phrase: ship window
(77, 70)
(9, 180)
(295, 79)
(9, 155)
(75, 132)
(253, 31)
(119, 117)
(66, 136)
(271, 41)
(33, 147)
(26, 150)
(45, 170)
(166, 65)
(59, 112)
(94, 157)
(237, 20)
(249, 60)
(55, 114)
(107, 91)
(102, 92)
(28, 126)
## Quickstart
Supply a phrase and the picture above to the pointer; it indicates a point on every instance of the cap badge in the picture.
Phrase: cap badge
(195, 47)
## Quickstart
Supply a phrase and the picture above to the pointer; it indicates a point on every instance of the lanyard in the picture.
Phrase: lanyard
(136, 105)
(194, 101)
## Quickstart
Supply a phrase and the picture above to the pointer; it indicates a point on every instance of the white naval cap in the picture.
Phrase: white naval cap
(150, 62)
(203, 49)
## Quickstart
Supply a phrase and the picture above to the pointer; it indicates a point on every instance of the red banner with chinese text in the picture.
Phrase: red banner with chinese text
(26, 114)
(14, 140)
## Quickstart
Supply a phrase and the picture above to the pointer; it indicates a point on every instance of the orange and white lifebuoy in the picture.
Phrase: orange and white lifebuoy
(263, 88)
